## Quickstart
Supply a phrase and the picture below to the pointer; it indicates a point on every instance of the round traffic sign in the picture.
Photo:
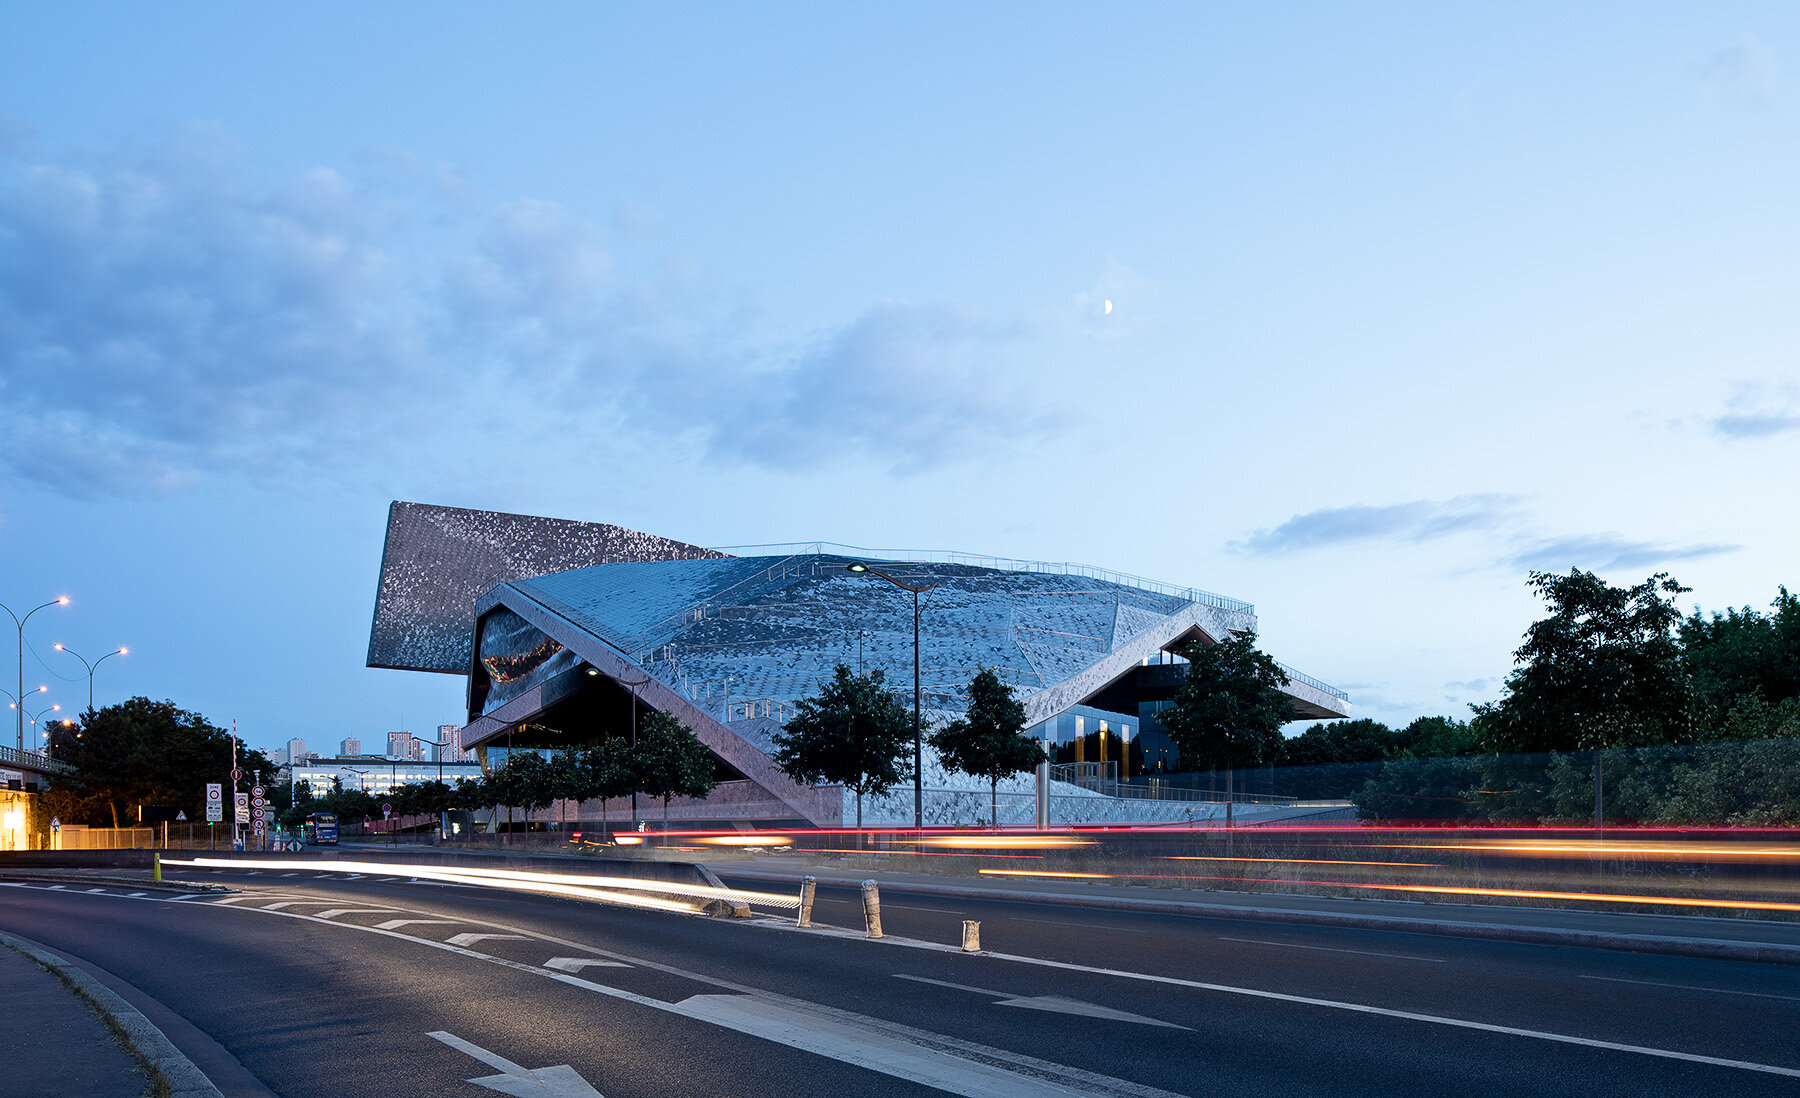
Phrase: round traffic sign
(236, 774)
(259, 814)
(258, 801)
(388, 808)
(257, 791)
(212, 793)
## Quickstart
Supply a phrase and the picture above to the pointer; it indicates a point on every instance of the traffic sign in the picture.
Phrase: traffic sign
(259, 815)
(257, 791)
(236, 774)
(181, 817)
(240, 809)
(257, 802)
(215, 806)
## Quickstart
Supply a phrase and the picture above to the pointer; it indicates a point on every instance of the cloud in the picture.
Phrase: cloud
(1471, 686)
(1419, 520)
(1758, 411)
(1605, 552)
(1744, 72)
(167, 314)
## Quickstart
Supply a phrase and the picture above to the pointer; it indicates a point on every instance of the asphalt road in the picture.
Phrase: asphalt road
(320, 985)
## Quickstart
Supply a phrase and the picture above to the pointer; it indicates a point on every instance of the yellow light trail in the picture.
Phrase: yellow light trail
(1295, 861)
(1044, 873)
(1600, 897)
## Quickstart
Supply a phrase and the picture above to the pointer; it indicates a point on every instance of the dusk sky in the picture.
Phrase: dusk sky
(1408, 300)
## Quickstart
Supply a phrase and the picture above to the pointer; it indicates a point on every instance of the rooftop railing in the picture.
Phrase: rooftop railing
(1004, 564)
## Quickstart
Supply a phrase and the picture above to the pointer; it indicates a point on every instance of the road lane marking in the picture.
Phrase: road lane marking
(1332, 949)
(892, 1054)
(561, 1081)
(336, 911)
(576, 964)
(1068, 922)
(1388, 1012)
(471, 939)
(853, 1034)
(396, 924)
(1056, 1004)
(934, 910)
(1692, 987)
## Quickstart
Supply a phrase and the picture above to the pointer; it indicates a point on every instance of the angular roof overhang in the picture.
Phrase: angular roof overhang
(823, 805)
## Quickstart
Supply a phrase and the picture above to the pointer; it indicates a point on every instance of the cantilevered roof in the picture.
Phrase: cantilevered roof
(439, 560)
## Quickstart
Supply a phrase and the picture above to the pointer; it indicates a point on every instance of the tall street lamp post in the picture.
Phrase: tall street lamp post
(918, 735)
(35, 717)
(60, 600)
(90, 666)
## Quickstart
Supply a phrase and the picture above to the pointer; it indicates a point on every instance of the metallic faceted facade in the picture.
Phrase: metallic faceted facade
(438, 561)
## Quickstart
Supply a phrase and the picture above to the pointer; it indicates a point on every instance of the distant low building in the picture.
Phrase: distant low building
(350, 746)
(376, 775)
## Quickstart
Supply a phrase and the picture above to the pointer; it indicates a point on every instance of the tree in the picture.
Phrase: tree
(1602, 670)
(606, 772)
(1230, 709)
(988, 742)
(1732, 657)
(670, 761)
(528, 781)
(143, 752)
(854, 733)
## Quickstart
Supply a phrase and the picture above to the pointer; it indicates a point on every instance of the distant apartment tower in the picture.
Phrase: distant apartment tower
(296, 752)
(280, 756)
(403, 745)
(350, 746)
(450, 735)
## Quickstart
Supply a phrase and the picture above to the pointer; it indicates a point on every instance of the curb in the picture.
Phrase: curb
(185, 1080)
(1710, 948)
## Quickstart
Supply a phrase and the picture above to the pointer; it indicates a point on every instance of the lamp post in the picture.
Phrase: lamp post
(60, 600)
(918, 735)
(57, 708)
(90, 666)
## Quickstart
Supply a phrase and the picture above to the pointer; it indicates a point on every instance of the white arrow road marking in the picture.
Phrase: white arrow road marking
(396, 924)
(336, 911)
(576, 964)
(887, 1050)
(1053, 1003)
(471, 939)
(561, 1081)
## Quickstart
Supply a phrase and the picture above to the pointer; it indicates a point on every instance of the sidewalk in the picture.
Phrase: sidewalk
(56, 1044)
(59, 1044)
(1687, 935)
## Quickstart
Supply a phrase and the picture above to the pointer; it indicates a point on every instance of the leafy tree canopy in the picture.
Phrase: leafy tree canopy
(1602, 670)
(143, 752)
(1326, 744)
(1741, 654)
(989, 741)
(670, 761)
(853, 733)
(1230, 709)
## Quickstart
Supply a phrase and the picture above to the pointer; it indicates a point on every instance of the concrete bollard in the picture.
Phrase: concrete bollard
(971, 936)
(807, 887)
(871, 897)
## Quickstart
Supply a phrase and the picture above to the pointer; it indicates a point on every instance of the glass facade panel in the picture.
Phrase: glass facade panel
(516, 656)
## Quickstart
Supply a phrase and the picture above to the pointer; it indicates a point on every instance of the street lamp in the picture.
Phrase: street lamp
(57, 708)
(60, 600)
(90, 666)
(918, 735)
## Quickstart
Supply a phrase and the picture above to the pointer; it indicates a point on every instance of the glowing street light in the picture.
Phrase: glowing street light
(90, 666)
(60, 600)
(918, 736)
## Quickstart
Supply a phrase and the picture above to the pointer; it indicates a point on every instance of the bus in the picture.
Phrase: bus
(321, 828)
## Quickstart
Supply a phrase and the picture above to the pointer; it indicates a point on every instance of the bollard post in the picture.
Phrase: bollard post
(971, 936)
(156, 868)
(807, 886)
(871, 898)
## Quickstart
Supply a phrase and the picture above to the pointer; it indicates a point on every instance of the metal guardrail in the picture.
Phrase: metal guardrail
(1324, 687)
(34, 760)
(1005, 564)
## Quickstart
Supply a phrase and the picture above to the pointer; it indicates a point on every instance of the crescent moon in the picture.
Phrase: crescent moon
(1108, 307)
